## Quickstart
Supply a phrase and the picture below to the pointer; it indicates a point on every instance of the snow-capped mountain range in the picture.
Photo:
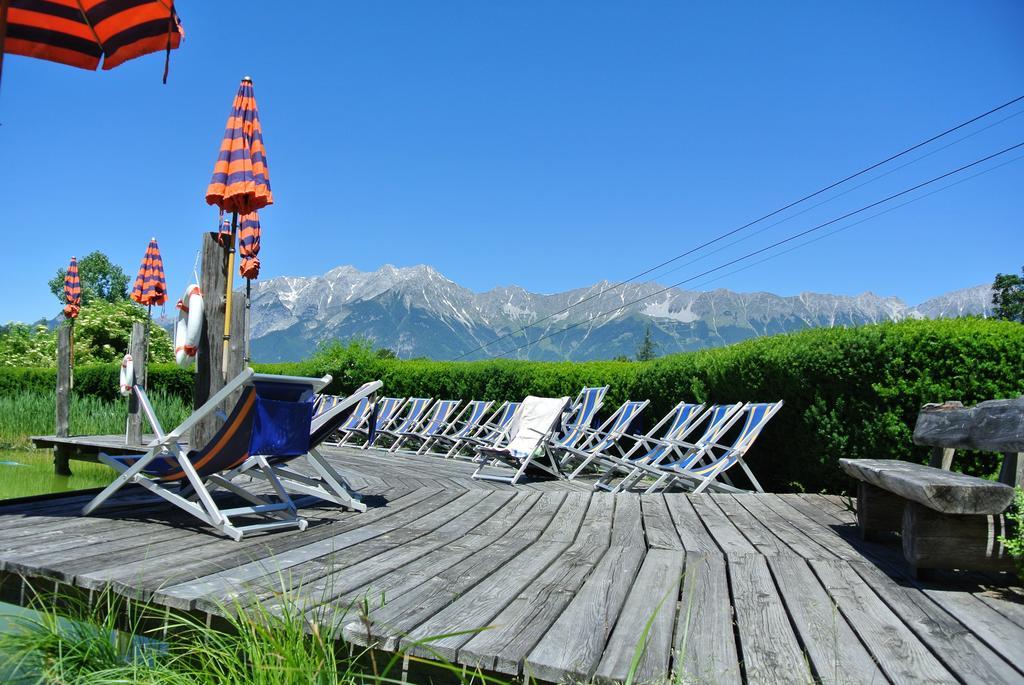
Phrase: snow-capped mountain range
(417, 312)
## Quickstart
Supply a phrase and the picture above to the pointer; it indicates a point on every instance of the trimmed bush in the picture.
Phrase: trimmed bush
(849, 392)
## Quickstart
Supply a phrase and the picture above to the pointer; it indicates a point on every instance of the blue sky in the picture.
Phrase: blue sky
(544, 144)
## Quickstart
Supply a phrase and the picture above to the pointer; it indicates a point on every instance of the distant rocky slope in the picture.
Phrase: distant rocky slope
(417, 312)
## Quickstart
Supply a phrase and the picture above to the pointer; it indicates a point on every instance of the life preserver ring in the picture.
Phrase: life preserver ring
(127, 379)
(189, 325)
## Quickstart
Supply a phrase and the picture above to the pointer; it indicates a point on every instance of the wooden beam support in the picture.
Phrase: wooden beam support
(138, 352)
(210, 357)
(62, 418)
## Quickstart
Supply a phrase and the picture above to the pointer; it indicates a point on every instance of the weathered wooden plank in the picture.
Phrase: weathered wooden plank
(763, 539)
(650, 606)
(934, 540)
(386, 624)
(991, 627)
(993, 426)
(63, 403)
(897, 650)
(960, 650)
(825, 537)
(834, 650)
(586, 623)
(138, 349)
(945, 491)
(731, 540)
(691, 530)
(705, 644)
(210, 358)
(658, 526)
(521, 624)
(785, 529)
(878, 511)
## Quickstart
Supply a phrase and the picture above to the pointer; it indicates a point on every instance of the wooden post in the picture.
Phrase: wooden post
(210, 357)
(235, 362)
(138, 353)
(942, 458)
(1012, 470)
(60, 454)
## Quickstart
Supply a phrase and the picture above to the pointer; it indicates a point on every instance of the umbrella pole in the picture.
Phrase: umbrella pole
(227, 297)
(248, 300)
(149, 325)
(71, 355)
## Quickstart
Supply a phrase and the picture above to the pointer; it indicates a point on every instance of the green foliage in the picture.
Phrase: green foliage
(1008, 297)
(648, 349)
(28, 472)
(101, 334)
(1015, 541)
(99, 278)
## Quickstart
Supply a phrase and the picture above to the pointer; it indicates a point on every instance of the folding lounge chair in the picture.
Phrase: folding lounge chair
(581, 416)
(325, 483)
(650, 448)
(415, 410)
(706, 468)
(525, 443)
(490, 431)
(355, 418)
(271, 418)
(385, 411)
(465, 424)
(604, 438)
(435, 422)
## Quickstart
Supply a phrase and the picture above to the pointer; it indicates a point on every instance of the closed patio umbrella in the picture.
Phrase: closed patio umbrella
(150, 285)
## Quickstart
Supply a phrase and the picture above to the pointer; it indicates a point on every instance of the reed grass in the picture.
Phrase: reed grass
(32, 413)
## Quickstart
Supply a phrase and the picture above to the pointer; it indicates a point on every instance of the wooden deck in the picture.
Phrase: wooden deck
(563, 582)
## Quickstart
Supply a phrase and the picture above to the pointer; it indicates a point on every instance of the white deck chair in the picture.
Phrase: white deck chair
(355, 419)
(271, 416)
(384, 412)
(577, 425)
(414, 410)
(433, 423)
(604, 439)
(489, 432)
(706, 468)
(465, 424)
(524, 446)
(325, 482)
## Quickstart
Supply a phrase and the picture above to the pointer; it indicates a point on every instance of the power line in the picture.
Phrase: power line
(762, 250)
(747, 225)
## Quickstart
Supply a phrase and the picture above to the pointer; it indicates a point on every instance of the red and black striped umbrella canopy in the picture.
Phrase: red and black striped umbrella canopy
(150, 286)
(241, 178)
(72, 291)
(81, 32)
(249, 245)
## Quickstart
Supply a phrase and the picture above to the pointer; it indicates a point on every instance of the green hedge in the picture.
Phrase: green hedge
(849, 392)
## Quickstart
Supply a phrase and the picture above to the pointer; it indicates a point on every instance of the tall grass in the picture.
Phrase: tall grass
(32, 413)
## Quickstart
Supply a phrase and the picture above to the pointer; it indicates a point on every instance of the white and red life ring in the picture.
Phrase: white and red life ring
(127, 379)
(189, 326)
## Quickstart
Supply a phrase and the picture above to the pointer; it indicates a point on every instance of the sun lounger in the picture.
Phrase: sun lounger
(271, 418)
(465, 424)
(403, 422)
(383, 414)
(651, 448)
(523, 447)
(490, 431)
(355, 418)
(705, 466)
(434, 422)
(325, 482)
(577, 424)
(602, 440)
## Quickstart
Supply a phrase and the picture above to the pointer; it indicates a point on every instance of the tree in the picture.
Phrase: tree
(100, 279)
(1008, 297)
(648, 349)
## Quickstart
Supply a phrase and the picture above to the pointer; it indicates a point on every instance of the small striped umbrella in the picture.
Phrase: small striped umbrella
(150, 285)
(249, 246)
(80, 33)
(241, 179)
(72, 291)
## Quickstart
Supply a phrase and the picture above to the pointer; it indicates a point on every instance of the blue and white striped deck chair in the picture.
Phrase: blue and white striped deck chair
(414, 411)
(717, 420)
(605, 439)
(577, 425)
(523, 450)
(465, 423)
(651, 447)
(707, 469)
(434, 422)
(384, 412)
(325, 404)
(325, 482)
(490, 431)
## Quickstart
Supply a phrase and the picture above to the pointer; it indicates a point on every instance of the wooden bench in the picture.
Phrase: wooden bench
(946, 519)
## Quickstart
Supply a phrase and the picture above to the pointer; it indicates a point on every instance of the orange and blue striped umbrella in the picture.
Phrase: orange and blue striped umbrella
(241, 178)
(72, 291)
(150, 286)
(249, 245)
(80, 32)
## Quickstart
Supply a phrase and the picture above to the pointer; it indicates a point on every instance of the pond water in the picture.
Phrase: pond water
(30, 472)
